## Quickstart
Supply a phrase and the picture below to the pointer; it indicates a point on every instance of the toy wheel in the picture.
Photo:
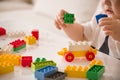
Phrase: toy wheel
(90, 56)
(69, 57)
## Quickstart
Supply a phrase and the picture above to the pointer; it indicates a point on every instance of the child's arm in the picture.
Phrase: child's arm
(75, 31)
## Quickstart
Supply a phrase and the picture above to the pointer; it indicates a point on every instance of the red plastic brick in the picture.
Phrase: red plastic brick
(26, 61)
(35, 33)
(2, 31)
(17, 43)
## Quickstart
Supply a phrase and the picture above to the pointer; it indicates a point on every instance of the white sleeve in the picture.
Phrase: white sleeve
(118, 47)
(91, 26)
(89, 29)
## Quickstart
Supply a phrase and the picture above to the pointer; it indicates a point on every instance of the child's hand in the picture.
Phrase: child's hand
(111, 27)
(59, 21)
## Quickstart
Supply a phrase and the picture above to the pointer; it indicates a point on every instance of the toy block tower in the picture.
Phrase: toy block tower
(18, 44)
(68, 18)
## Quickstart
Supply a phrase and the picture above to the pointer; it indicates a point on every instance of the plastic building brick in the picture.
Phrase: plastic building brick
(18, 44)
(35, 33)
(78, 49)
(2, 31)
(26, 61)
(96, 62)
(40, 60)
(56, 76)
(43, 72)
(16, 34)
(38, 65)
(68, 18)
(37, 60)
(99, 16)
(6, 67)
(7, 48)
(10, 58)
(95, 72)
(30, 40)
(77, 72)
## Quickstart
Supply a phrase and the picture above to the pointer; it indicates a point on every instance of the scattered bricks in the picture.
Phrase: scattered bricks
(95, 72)
(26, 61)
(2, 31)
(35, 33)
(56, 76)
(38, 65)
(43, 72)
(77, 72)
(10, 58)
(6, 67)
(68, 18)
(30, 40)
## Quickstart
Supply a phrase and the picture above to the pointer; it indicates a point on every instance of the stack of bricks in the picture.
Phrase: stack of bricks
(39, 65)
(18, 44)
(85, 71)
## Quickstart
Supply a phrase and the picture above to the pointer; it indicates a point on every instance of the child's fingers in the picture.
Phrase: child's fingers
(105, 21)
(106, 27)
(57, 25)
(59, 22)
(108, 32)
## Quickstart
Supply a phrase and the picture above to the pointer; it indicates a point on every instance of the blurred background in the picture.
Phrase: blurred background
(22, 14)
(83, 9)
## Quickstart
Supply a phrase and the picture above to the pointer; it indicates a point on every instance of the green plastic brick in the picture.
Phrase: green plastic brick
(39, 65)
(19, 48)
(40, 60)
(68, 18)
(95, 72)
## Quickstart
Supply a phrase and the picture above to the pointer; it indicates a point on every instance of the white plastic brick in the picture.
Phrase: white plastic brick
(78, 46)
(16, 34)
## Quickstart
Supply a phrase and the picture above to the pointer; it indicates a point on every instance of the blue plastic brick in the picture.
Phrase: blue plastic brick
(56, 76)
(41, 73)
(99, 16)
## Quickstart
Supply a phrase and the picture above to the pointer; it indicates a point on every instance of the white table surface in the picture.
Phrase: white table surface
(48, 45)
